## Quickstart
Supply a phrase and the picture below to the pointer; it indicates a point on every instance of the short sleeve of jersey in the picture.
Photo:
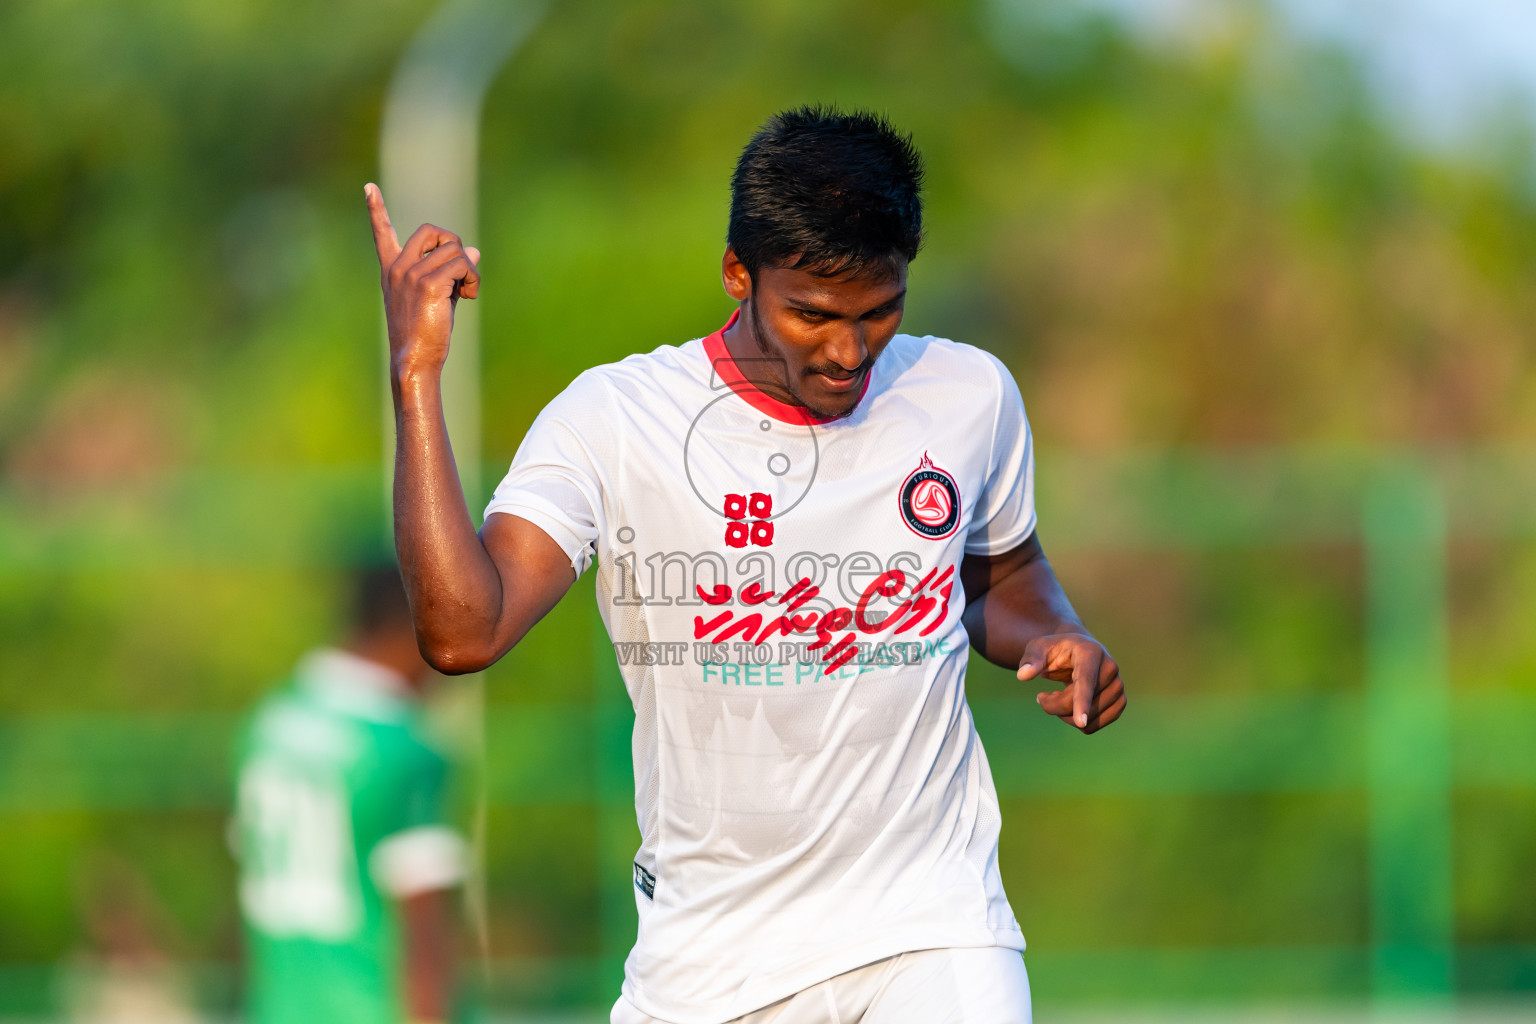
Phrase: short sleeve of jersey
(422, 852)
(553, 482)
(1005, 512)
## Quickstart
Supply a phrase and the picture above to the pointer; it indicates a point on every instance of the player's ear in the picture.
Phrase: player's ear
(734, 275)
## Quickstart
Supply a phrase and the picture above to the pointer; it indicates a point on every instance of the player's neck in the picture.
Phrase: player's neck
(398, 653)
(759, 366)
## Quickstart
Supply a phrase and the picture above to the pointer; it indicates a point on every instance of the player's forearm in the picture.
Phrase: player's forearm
(427, 968)
(454, 586)
(1023, 605)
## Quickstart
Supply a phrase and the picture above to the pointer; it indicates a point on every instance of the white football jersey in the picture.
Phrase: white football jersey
(784, 602)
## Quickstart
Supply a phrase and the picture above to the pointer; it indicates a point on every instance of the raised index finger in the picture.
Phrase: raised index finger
(384, 239)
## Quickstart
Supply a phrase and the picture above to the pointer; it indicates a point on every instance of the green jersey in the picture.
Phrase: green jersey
(341, 809)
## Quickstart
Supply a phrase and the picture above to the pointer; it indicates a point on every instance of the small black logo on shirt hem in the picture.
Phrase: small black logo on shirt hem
(645, 881)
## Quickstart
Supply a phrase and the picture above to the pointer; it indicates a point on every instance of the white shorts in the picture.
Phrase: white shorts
(987, 985)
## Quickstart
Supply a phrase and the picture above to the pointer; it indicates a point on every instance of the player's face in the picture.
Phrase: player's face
(825, 333)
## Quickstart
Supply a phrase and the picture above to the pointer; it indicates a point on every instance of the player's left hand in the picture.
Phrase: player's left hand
(1094, 696)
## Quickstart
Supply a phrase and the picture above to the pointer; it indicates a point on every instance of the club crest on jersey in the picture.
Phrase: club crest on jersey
(930, 501)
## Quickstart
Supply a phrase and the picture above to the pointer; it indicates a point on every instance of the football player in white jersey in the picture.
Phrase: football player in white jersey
(801, 524)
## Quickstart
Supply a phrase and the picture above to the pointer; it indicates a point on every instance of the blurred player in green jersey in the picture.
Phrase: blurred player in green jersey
(347, 861)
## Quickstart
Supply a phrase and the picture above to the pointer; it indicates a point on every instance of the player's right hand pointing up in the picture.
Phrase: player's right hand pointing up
(423, 281)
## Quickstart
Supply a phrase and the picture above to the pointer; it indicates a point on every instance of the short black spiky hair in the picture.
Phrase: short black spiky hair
(826, 191)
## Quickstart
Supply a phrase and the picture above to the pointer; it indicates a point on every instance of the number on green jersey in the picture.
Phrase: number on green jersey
(300, 876)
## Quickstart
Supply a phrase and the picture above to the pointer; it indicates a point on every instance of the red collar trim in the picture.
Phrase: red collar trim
(724, 365)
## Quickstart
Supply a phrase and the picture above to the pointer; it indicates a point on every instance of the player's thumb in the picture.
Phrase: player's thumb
(1033, 662)
(473, 254)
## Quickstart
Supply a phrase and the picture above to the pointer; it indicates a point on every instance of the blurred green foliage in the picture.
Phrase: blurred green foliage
(1217, 245)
